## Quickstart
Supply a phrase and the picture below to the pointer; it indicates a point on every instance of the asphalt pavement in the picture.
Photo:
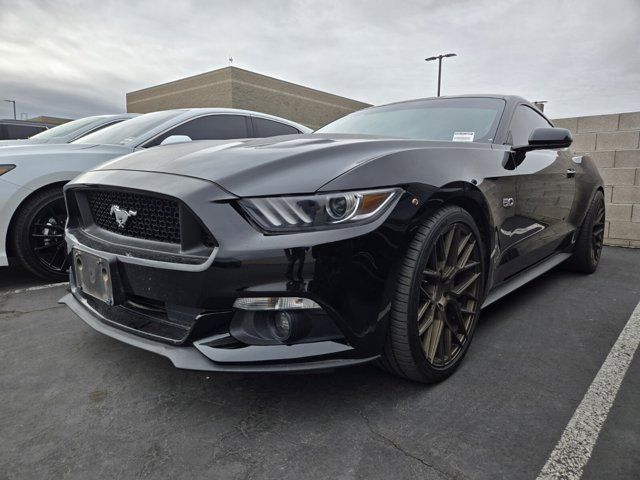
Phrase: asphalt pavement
(76, 404)
(17, 278)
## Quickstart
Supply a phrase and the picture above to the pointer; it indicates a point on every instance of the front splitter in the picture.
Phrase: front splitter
(190, 358)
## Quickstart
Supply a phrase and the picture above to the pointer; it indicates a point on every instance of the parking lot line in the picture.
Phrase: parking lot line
(573, 450)
(32, 289)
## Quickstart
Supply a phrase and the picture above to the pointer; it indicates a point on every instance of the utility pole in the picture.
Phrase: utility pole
(14, 108)
(439, 58)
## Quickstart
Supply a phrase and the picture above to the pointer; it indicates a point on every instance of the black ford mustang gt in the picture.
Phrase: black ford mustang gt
(378, 238)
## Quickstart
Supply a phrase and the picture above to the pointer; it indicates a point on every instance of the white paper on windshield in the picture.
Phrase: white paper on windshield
(463, 136)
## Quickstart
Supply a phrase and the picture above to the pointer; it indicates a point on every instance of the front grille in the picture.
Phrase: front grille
(156, 218)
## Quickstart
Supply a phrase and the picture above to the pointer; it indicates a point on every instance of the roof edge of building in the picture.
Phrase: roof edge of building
(297, 85)
(230, 70)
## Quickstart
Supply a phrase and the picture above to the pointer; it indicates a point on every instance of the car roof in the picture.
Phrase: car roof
(185, 114)
(113, 115)
(506, 98)
(238, 111)
(109, 116)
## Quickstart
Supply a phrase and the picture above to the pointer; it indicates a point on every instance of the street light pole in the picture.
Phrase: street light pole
(439, 58)
(14, 108)
(439, 73)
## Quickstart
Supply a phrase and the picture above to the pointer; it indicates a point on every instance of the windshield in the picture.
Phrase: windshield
(67, 128)
(447, 119)
(127, 131)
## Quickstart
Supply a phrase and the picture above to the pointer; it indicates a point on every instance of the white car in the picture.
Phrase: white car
(70, 131)
(32, 209)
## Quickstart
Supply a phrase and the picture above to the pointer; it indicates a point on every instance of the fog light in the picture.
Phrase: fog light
(282, 326)
(275, 303)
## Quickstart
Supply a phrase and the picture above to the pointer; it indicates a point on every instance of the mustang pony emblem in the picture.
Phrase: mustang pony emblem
(122, 216)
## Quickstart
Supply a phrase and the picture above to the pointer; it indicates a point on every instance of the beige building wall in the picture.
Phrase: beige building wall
(613, 141)
(50, 120)
(211, 89)
(233, 87)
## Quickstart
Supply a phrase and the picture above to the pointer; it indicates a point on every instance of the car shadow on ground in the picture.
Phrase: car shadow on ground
(358, 386)
(16, 277)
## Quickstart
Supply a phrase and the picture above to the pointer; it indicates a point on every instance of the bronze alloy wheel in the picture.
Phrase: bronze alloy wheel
(437, 299)
(449, 295)
(597, 236)
(587, 249)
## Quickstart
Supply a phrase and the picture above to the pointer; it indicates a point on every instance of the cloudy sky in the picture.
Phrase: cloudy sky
(73, 58)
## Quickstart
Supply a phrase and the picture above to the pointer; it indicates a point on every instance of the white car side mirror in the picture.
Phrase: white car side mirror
(175, 139)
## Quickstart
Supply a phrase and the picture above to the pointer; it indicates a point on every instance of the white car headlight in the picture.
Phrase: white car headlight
(318, 212)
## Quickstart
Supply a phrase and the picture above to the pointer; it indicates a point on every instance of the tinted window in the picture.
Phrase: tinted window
(19, 132)
(438, 119)
(211, 127)
(525, 120)
(269, 128)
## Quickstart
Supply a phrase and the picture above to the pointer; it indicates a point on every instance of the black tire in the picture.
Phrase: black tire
(420, 285)
(37, 235)
(588, 247)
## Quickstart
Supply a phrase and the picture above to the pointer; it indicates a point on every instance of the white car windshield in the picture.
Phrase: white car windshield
(68, 128)
(128, 131)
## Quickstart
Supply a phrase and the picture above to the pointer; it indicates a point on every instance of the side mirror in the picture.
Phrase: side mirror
(175, 139)
(546, 138)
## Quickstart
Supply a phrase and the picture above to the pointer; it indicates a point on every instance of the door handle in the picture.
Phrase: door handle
(571, 172)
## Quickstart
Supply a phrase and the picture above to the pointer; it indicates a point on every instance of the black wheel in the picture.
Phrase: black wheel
(588, 247)
(38, 235)
(438, 298)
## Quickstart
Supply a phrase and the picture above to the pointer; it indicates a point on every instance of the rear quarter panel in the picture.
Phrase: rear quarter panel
(588, 182)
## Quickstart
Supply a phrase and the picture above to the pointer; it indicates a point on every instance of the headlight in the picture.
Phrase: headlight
(317, 212)
(5, 168)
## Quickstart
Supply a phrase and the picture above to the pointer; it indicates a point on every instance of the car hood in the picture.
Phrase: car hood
(26, 141)
(279, 165)
(27, 153)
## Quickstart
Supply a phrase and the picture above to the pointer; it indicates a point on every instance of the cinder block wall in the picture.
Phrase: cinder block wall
(613, 141)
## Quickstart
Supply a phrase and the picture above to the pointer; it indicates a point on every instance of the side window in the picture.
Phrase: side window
(22, 131)
(525, 120)
(211, 127)
(269, 128)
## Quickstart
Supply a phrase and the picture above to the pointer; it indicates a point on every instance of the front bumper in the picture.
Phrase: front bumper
(190, 357)
(348, 272)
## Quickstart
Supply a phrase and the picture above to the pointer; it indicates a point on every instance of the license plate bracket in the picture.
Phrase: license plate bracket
(93, 276)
